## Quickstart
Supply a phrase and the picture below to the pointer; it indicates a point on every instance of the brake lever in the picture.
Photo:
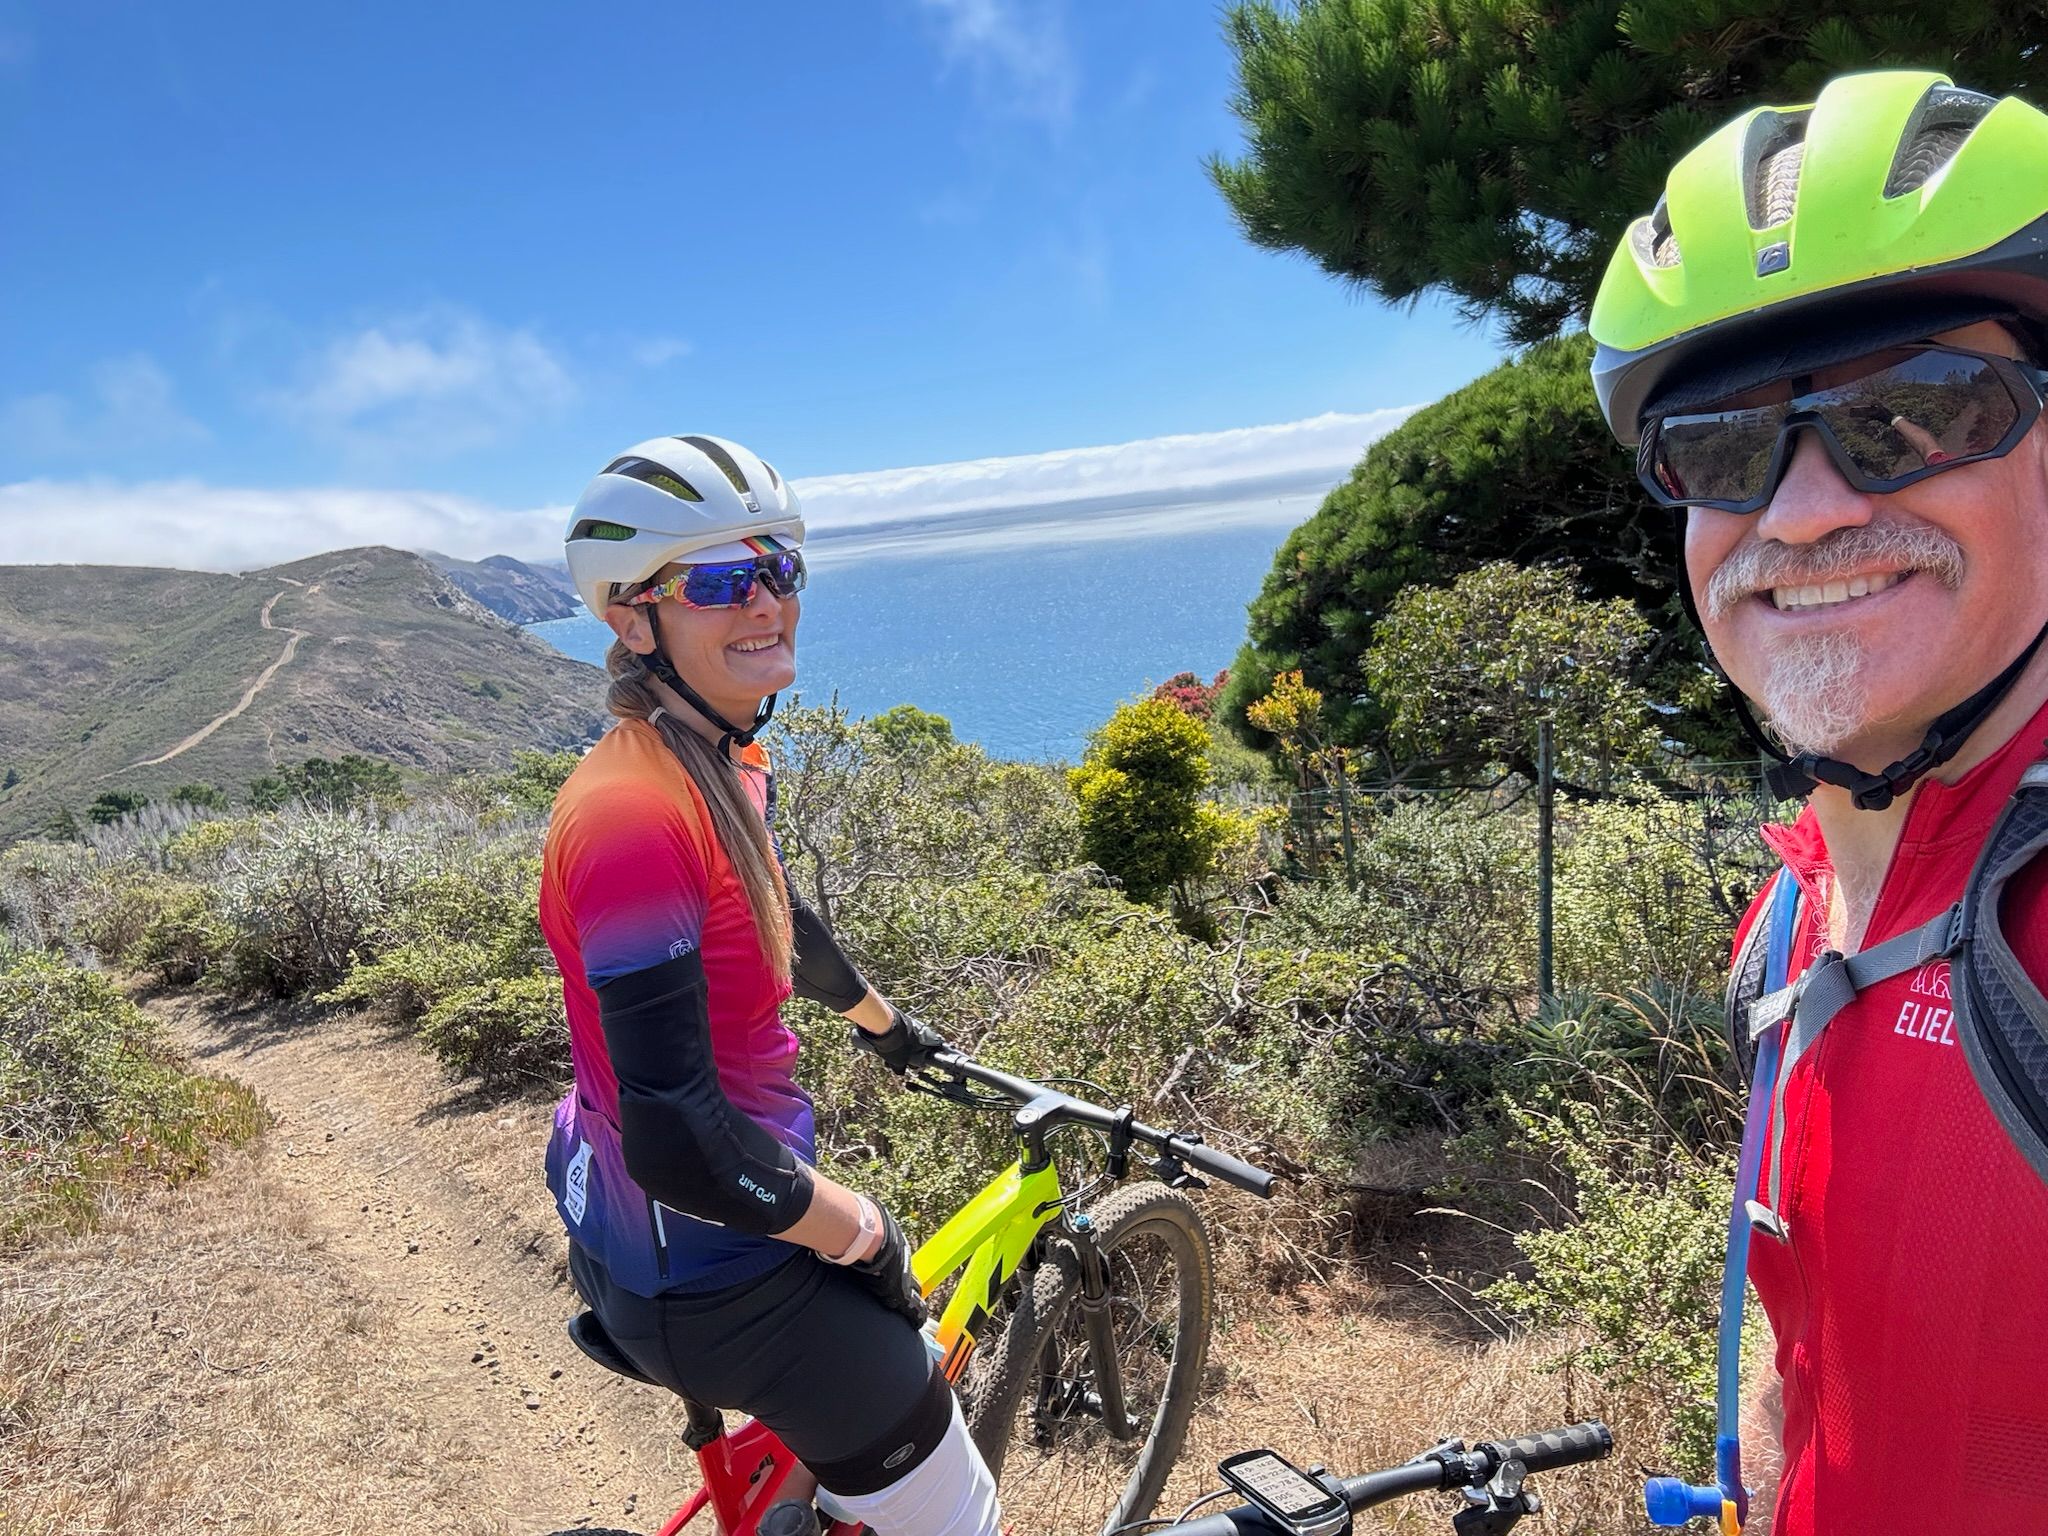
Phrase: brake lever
(1498, 1507)
(1175, 1174)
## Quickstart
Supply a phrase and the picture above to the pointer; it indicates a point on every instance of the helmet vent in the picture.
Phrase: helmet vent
(1655, 245)
(1944, 120)
(722, 459)
(657, 475)
(1772, 156)
(597, 528)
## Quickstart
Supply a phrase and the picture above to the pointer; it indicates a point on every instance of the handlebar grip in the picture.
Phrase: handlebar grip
(1225, 1167)
(1554, 1447)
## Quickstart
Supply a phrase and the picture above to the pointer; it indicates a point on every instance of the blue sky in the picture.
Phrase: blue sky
(374, 263)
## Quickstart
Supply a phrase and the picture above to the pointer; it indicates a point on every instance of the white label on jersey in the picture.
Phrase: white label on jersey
(576, 1184)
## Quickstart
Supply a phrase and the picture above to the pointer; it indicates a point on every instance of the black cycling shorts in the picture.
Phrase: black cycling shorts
(847, 1384)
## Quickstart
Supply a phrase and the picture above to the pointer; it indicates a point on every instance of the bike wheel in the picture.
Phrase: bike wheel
(1031, 1402)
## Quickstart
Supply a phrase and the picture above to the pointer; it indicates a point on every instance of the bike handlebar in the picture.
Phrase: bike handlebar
(1565, 1447)
(1447, 1467)
(1047, 1108)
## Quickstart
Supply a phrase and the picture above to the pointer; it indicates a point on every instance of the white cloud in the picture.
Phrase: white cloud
(133, 405)
(195, 526)
(1186, 469)
(1263, 474)
(424, 385)
(659, 351)
(1016, 51)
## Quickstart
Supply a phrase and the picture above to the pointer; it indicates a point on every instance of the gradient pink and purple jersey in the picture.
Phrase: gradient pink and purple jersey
(633, 876)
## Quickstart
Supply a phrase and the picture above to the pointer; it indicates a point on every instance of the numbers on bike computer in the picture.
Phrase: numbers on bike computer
(1285, 1494)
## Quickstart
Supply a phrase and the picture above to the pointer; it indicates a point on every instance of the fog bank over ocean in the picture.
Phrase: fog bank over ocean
(1023, 626)
(198, 525)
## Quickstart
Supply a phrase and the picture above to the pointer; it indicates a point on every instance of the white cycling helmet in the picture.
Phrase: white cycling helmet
(694, 498)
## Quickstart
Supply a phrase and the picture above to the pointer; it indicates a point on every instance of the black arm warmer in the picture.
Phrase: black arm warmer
(684, 1142)
(822, 973)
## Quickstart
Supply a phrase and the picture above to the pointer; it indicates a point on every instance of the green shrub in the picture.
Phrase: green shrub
(1654, 1065)
(1636, 1276)
(1139, 789)
(907, 729)
(347, 783)
(451, 931)
(1638, 901)
(202, 850)
(115, 805)
(508, 1031)
(534, 779)
(89, 1096)
(184, 939)
(854, 817)
(407, 980)
(306, 899)
(44, 889)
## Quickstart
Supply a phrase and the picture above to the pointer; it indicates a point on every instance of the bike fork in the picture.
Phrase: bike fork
(1101, 1331)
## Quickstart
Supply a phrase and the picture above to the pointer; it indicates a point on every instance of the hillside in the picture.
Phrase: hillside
(116, 677)
(512, 589)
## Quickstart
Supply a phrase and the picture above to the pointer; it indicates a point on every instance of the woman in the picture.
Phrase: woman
(717, 1256)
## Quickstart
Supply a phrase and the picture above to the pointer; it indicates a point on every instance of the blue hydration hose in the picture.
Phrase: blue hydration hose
(1672, 1501)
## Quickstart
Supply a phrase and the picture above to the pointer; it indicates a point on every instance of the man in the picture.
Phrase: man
(1824, 340)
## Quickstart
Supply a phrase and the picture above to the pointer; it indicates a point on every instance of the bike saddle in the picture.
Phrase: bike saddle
(588, 1335)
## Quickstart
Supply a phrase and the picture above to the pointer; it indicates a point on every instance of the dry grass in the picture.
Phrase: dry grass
(1356, 1376)
(287, 1345)
(197, 1366)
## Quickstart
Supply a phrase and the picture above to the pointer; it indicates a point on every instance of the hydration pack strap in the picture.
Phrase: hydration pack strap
(2000, 1010)
(1807, 1007)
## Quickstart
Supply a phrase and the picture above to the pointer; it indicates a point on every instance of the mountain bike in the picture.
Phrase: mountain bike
(1493, 1478)
(1077, 1329)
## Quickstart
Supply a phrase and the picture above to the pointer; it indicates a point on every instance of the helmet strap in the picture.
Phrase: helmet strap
(734, 735)
(1794, 778)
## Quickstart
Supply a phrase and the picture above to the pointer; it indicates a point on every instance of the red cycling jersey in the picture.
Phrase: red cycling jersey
(1910, 1298)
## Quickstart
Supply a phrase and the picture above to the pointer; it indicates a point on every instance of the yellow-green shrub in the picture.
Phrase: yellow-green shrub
(90, 1096)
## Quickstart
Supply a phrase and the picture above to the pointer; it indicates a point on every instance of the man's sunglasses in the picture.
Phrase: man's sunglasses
(731, 585)
(1913, 412)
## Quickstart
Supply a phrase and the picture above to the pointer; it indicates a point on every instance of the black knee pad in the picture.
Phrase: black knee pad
(896, 1452)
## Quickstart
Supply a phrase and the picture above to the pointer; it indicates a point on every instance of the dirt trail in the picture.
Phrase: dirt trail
(291, 648)
(419, 1210)
(435, 1204)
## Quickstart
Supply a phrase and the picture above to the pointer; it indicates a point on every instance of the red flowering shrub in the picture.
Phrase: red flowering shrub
(1190, 695)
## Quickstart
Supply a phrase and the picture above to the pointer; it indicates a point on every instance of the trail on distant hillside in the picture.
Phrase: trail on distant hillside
(263, 678)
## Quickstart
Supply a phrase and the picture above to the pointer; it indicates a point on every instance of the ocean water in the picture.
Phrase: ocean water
(1025, 636)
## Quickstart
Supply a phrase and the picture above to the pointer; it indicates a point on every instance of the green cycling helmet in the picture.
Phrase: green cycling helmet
(1895, 206)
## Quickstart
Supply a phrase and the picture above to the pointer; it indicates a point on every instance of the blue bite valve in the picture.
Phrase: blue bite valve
(1673, 1501)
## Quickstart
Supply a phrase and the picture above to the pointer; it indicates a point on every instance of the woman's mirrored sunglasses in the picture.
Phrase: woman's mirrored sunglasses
(1913, 412)
(729, 585)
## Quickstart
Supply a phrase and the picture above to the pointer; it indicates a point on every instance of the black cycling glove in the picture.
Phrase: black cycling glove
(888, 1274)
(904, 1044)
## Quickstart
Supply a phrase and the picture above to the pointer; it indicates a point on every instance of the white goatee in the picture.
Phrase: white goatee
(1814, 693)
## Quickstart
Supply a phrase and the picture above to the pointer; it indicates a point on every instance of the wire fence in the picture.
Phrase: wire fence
(1714, 809)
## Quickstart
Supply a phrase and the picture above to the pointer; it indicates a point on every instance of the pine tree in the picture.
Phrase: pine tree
(1515, 466)
(1495, 150)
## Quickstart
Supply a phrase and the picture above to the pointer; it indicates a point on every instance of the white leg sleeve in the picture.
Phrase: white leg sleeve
(949, 1493)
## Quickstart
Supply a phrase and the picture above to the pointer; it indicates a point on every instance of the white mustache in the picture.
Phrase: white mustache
(1757, 565)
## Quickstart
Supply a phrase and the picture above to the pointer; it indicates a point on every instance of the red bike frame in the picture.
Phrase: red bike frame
(744, 1474)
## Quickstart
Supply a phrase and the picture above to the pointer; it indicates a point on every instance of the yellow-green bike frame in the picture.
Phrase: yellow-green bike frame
(990, 1235)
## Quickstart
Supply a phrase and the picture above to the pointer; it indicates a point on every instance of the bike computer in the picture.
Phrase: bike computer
(1285, 1494)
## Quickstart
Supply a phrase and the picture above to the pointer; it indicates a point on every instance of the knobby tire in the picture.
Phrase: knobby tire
(1026, 1397)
